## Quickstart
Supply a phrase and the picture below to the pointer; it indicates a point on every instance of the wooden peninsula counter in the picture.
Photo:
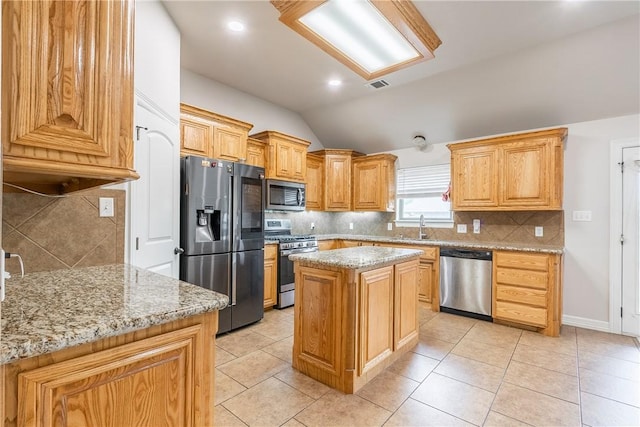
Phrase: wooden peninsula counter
(356, 312)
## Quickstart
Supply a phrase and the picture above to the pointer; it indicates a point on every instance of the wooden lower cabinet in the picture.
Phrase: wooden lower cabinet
(428, 273)
(326, 245)
(527, 290)
(351, 324)
(270, 275)
(162, 375)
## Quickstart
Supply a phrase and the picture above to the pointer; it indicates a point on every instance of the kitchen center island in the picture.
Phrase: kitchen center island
(355, 312)
(110, 346)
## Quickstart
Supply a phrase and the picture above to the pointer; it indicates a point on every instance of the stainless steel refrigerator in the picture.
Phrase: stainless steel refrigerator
(222, 234)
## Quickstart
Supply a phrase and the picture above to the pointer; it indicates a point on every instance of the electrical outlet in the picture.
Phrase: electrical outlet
(106, 206)
(312, 226)
(539, 231)
(476, 226)
(389, 226)
(350, 226)
(462, 228)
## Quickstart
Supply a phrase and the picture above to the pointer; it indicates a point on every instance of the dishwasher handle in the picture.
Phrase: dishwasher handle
(466, 253)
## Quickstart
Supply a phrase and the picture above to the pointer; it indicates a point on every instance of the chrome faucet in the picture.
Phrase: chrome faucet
(421, 234)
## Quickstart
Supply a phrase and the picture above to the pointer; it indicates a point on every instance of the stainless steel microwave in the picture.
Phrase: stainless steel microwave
(285, 195)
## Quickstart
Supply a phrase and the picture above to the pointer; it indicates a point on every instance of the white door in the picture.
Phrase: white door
(155, 203)
(631, 245)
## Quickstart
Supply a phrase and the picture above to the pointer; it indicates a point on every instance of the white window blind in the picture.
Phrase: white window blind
(419, 192)
(423, 181)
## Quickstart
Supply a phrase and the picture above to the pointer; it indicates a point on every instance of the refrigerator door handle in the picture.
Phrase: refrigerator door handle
(232, 296)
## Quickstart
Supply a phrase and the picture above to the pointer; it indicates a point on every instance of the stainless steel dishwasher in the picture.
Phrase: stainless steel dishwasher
(465, 282)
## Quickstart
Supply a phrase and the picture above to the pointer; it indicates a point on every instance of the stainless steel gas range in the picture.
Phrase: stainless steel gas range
(280, 230)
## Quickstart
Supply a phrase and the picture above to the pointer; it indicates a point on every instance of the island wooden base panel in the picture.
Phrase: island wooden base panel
(158, 375)
(349, 381)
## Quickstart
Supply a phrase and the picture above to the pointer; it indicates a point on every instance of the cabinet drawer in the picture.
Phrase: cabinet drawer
(270, 251)
(521, 295)
(527, 261)
(532, 279)
(428, 253)
(521, 314)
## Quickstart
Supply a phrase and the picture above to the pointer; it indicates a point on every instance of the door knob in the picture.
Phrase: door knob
(178, 251)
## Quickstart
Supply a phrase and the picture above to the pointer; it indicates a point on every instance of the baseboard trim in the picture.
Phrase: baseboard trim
(582, 322)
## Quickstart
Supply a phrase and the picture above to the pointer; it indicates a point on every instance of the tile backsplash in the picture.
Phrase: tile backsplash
(67, 232)
(498, 227)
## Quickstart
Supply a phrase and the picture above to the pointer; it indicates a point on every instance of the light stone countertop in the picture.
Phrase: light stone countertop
(49, 311)
(524, 247)
(355, 258)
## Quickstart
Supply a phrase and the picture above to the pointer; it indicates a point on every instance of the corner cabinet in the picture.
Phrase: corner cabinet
(527, 290)
(335, 177)
(67, 84)
(208, 134)
(286, 156)
(374, 183)
(314, 191)
(514, 172)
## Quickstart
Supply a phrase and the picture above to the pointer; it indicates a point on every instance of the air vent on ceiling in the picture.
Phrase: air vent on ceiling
(378, 84)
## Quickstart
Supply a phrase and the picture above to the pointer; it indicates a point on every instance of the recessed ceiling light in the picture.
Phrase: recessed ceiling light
(236, 26)
(334, 82)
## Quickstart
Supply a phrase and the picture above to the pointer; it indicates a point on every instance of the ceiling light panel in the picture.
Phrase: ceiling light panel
(373, 37)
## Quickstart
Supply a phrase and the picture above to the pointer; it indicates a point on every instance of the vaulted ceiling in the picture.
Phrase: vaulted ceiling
(502, 67)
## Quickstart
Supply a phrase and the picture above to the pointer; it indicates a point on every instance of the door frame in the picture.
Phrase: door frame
(615, 227)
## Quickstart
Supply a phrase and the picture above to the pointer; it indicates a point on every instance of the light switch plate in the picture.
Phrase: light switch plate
(106, 206)
(389, 226)
(350, 226)
(476, 226)
(462, 228)
(539, 231)
(581, 215)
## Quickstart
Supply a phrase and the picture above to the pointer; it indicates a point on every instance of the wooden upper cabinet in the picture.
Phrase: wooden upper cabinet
(336, 178)
(374, 183)
(315, 183)
(209, 134)
(514, 172)
(255, 152)
(474, 171)
(286, 156)
(67, 84)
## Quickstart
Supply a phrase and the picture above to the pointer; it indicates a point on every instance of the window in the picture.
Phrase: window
(420, 193)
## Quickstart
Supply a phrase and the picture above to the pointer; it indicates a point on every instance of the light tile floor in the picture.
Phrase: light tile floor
(462, 372)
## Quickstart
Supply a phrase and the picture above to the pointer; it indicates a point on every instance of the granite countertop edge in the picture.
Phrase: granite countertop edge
(356, 258)
(522, 247)
(29, 331)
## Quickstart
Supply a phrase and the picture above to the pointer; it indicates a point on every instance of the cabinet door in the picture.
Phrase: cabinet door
(67, 84)
(196, 137)
(474, 178)
(314, 191)
(338, 182)
(406, 304)
(298, 162)
(376, 317)
(229, 144)
(524, 174)
(270, 275)
(367, 185)
(255, 154)
(426, 281)
(150, 382)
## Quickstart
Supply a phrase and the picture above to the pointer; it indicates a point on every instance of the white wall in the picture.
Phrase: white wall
(214, 96)
(587, 167)
(157, 58)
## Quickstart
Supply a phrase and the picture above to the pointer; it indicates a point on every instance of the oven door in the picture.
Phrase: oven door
(286, 278)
